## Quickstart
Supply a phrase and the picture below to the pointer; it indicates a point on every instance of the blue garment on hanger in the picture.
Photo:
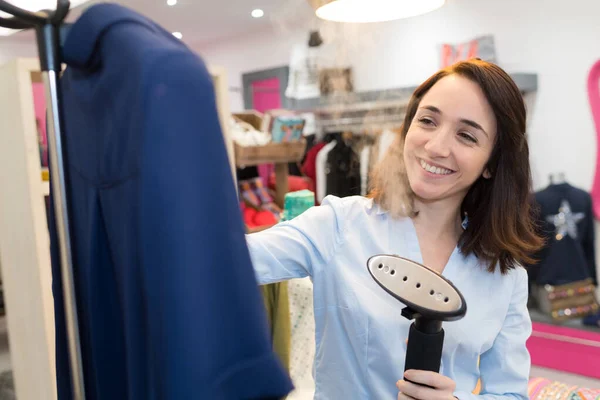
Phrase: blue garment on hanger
(169, 306)
(567, 256)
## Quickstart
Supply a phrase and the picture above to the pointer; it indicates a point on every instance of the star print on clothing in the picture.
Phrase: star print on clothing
(565, 221)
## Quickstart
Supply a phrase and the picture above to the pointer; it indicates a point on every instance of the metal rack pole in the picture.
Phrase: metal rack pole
(48, 42)
(47, 27)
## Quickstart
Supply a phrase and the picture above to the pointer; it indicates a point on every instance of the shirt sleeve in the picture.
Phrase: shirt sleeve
(505, 368)
(300, 247)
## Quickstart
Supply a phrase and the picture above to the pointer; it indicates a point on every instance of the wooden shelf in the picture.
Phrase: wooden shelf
(246, 156)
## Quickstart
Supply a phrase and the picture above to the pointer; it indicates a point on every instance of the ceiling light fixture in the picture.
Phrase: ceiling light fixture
(171, 2)
(178, 35)
(363, 11)
(258, 13)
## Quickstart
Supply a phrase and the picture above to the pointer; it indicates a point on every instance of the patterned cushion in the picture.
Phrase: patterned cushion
(543, 389)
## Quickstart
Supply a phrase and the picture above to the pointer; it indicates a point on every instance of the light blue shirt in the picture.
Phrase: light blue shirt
(360, 334)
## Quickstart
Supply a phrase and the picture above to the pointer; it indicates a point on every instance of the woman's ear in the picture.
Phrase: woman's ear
(487, 174)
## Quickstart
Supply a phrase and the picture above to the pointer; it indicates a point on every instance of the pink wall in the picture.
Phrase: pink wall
(594, 99)
(40, 114)
(265, 94)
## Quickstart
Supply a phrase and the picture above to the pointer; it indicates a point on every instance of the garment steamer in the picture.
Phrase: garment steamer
(429, 299)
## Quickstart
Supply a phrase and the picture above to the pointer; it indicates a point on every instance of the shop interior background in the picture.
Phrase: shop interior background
(557, 41)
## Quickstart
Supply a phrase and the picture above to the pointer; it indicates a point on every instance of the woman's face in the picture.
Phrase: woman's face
(450, 140)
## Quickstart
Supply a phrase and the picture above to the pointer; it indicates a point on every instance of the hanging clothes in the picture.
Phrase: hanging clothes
(321, 174)
(309, 167)
(302, 318)
(343, 170)
(275, 297)
(168, 302)
(302, 352)
(364, 169)
(567, 224)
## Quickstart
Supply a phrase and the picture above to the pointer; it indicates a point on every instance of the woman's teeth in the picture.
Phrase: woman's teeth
(435, 170)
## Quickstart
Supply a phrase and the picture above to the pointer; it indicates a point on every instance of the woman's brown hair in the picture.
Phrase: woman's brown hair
(501, 229)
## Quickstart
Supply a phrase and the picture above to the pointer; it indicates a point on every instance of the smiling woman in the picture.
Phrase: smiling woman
(463, 141)
(462, 152)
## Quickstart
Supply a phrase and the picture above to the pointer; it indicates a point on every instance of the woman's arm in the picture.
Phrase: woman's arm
(300, 247)
(506, 366)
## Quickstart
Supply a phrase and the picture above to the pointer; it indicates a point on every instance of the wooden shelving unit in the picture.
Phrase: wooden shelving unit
(24, 237)
(280, 154)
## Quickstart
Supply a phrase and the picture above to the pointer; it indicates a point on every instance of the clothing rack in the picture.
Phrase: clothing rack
(47, 25)
(362, 116)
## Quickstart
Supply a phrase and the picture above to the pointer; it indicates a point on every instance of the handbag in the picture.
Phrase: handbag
(568, 301)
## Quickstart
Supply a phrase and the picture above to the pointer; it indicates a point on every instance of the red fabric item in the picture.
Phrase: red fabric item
(309, 167)
(249, 214)
(263, 218)
(295, 183)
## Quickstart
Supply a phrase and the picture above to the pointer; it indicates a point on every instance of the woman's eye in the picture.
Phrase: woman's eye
(467, 137)
(426, 121)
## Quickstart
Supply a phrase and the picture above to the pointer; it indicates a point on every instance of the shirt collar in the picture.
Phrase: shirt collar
(84, 35)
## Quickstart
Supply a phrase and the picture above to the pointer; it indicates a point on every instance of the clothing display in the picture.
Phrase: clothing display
(544, 389)
(321, 168)
(309, 167)
(360, 332)
(567, 224)
(342, 170)
(305, 61)
(364, 170)
(342, 167)
(157, 235)
(277, 305)
(302, 351)
(244, 134)
(302, 318)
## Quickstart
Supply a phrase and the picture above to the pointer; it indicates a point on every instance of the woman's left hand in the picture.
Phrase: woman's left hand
(441, 387)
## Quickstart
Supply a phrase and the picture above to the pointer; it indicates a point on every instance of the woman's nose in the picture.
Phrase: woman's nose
(438, 144)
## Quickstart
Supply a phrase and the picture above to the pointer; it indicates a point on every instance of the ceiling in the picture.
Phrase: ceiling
(205, 21)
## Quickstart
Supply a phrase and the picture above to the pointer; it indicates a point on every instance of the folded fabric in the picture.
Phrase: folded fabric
(264, 218)
(543, 388)
(244, 134)
(295, 183)
(261, 191)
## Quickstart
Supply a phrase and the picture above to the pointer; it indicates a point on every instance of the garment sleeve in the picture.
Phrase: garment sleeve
(506, 366)
(300, 247)
(207, 330)
(589, 242)
(276, 300)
